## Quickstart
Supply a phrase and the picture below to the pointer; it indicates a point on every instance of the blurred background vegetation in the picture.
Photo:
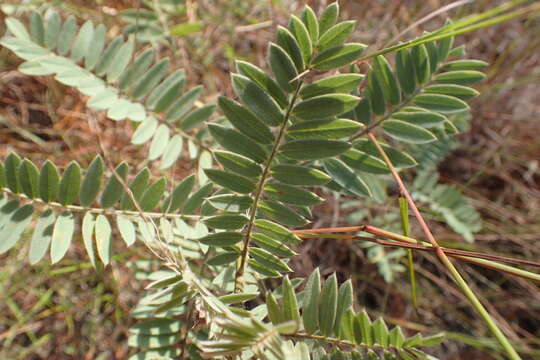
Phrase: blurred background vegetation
(71, 311)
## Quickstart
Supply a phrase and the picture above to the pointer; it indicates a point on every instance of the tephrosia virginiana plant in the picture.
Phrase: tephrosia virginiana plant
(327, 116)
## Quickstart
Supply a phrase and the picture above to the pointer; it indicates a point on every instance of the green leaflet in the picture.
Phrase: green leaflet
(151, 197)
(341, 83)
(53, 26)
(269, 260)
(345, 301)
(28, 178)
(310, 307)
(276, 231)
(236, 142)
(171, 152)
(62, 235)
(420, 59)
(338, 56)
(280, 213)
(380, 332)
(114, 190)
(223, 259)
(120, 61)
(405, 71)
(103, 232)
(257, 100)
(336, 35)
(97, 39)
(420, 117)
(87, 230)
(328, 305)
(238, 164)
(290, 304)
(263, 270)
(462, 77)
(226, 221)
(167, 92)
(182, 106)
(313, 149)
(312, 24)
(197, 117)
(299, 175)
(6, 210)
(440, 103)
(197, 199)
(12, 230)
(388, 80)
(362, 328)
(445, 47)
(70, 184)
(273, 246)
(126, 229)
(150, 79)
(137, 187)
(91, 182)
(458, 91)
(231, 202)
(145, 131)
(328, 17)
(431, 48)
(324, 106)
(159, 142)
(286, 40)
(282, 67)
(179, 195)
(37, 29)
(238, 298)
(274, 310)
(221, 239)
(49, 181)
(140, 65)
(399, 159)
(362, 161)
(245, 121)
(264, 81)
(67, 34)
(345, 177)
(108, 57)
(230, 181)
(12, 164)
(291, 195)
(467, 64)
(82, 42)
(302, 36)
(41, 237)
(375, 94)
(326, 129)
(407, 132)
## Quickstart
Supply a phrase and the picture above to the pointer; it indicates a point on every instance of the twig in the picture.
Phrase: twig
(480, 309)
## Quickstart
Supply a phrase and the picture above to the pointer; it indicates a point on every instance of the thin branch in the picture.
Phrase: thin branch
(480, 309)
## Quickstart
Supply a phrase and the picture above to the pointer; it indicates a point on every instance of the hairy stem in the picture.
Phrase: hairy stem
(241, 268)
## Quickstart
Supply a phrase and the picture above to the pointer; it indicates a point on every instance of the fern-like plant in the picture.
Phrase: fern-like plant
(220, 235)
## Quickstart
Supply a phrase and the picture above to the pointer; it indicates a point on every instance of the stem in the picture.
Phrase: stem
(77, 208)
(510, 351)
(241, 269)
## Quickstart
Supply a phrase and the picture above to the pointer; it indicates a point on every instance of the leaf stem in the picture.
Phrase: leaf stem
(241, 268)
